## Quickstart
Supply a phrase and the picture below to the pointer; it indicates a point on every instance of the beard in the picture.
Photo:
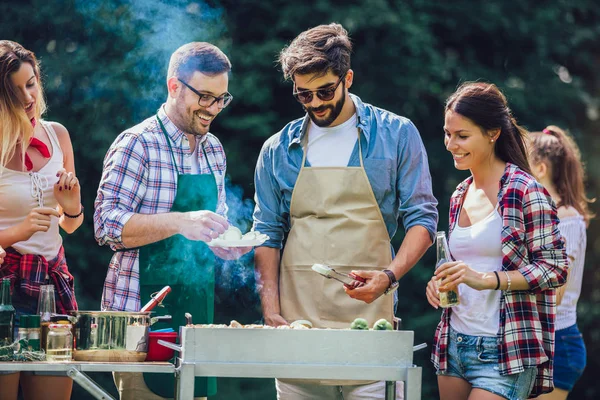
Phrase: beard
(335, 110)
(189, 122)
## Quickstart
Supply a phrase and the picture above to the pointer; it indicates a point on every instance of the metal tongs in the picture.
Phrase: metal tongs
(350, 280)
(156, 299)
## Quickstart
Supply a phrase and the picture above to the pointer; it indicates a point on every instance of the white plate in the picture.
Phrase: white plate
(237, 243)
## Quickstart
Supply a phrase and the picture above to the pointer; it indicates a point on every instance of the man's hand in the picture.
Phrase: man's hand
(275, 320)
(230, 253)
(202, 225)
(377, 283)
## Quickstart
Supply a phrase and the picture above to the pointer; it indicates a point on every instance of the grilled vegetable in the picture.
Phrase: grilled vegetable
(360, 324)
(383, 325)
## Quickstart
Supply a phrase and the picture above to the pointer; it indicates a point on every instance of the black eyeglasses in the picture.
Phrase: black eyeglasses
(325, 94)
(207, 100)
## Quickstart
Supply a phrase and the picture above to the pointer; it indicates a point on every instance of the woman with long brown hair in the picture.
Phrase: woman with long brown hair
(38, 193)
(508, 254)
(556, 163)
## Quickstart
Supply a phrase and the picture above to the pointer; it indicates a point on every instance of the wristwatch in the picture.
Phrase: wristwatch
(393, 282)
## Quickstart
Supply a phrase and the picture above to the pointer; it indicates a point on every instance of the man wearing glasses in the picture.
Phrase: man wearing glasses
(337, 182)
(161, 198)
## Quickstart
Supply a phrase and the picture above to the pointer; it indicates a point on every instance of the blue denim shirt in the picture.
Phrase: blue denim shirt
(394, 158)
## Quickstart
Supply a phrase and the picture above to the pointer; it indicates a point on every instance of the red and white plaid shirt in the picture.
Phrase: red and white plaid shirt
(27, 272)
(532, 245)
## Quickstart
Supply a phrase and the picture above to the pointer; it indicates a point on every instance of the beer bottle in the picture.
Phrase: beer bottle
(450, 298)
(7, 317)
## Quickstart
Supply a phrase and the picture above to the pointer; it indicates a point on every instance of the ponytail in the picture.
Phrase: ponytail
(557, 148)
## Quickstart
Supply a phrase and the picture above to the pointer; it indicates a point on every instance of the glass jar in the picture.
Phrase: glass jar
(59, 343)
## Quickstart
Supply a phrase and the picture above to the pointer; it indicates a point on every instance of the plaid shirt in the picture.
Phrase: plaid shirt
(139, 177)
(532, 245)
(28, 273)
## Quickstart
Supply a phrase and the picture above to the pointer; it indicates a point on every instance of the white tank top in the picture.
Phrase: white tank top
(480, 247)
(20, 192)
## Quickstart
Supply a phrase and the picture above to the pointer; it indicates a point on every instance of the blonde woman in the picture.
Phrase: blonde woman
(38, 193)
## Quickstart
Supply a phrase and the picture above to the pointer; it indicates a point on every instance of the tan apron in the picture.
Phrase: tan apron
(335, 220)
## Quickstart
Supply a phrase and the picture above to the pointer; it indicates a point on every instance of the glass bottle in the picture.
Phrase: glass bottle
(450, 298)
(34, 332)
(7, 315)
(59, 343)
(46, 307)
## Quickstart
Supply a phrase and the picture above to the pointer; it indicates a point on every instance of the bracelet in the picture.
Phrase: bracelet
(73, 216)
(497, 280)
(507, 281)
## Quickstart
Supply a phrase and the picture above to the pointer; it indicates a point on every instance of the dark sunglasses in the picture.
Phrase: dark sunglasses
(207, 100)
(325, 94)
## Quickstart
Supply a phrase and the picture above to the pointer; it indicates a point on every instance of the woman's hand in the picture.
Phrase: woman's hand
(456, 272)
(433, 296)
(38, 220)
(2, 255)
(68, 192)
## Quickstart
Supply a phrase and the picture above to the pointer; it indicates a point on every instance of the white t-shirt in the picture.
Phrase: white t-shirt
(331, 147)
(480, 247)
(573, 231)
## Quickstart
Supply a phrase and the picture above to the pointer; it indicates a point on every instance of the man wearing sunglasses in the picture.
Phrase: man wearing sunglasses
(334, 184)
(161, 199)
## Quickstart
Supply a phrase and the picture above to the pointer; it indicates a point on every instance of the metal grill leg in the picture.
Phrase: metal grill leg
(88, 384)
(184, 382)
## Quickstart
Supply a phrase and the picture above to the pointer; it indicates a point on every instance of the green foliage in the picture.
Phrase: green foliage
(105, 63)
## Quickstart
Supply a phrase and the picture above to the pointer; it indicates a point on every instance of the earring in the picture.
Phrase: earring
(491, 140)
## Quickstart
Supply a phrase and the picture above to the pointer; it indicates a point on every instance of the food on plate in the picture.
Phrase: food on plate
(235, 324)
(383, 325)
(232, 233)
(301, 324)
(360, 324)
(252, 235)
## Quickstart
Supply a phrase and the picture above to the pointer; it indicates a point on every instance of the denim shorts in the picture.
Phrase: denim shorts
(569, 357)
(475, 359)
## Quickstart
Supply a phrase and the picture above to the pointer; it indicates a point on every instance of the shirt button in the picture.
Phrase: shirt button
(459, 339)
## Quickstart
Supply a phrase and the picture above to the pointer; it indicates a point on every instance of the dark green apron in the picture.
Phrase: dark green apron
(185, 265)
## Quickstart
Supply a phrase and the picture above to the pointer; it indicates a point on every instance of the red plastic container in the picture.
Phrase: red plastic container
(156, 352)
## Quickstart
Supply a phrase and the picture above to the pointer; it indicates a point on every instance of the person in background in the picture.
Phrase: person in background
(556, 163)
(39, 192)
(161, 199)
(337, 181)
(509, 258)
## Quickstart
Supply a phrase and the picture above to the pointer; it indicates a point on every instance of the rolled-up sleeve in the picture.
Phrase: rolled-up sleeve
(548, 257)
(122, 186)
(267, 211)
(418, 206)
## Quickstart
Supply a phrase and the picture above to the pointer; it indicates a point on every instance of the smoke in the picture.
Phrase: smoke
(237, 274)
(145, 33)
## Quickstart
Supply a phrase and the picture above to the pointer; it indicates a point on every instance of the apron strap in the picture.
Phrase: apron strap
(164, 131)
